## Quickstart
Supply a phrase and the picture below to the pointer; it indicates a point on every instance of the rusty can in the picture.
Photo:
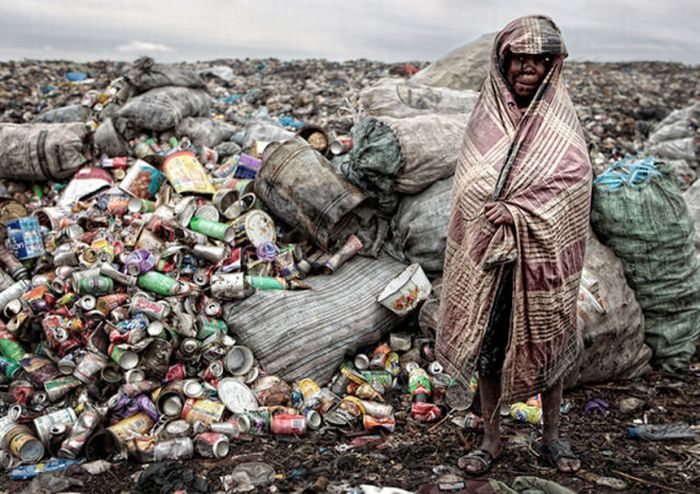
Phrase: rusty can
(12, 265)
(350, 248)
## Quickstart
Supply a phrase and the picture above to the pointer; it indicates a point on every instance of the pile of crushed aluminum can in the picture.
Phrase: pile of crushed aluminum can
(112, 340)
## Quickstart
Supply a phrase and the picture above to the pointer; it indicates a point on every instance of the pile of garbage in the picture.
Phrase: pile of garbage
(134, 281)
(200, 258)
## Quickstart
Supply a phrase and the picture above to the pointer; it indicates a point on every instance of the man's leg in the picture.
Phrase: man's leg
(551, 402)
(489, 393)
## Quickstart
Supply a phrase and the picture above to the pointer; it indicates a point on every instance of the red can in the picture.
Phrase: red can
(289, 425)
(176, 372)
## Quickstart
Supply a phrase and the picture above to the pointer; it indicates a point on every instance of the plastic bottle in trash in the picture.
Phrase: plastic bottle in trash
(25, 472)
(661, 432)
(526, 413)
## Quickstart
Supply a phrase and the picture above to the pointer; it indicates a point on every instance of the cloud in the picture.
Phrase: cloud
(136, 46)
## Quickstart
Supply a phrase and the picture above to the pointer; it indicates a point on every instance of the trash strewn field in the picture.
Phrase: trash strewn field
(237, 263)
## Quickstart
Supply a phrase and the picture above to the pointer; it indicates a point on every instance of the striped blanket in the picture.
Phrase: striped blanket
(535, 163)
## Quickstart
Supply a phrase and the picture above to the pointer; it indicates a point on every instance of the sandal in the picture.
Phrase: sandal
(557, 449)
(482, 456)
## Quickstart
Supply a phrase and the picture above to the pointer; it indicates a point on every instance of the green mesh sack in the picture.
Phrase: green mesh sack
(639, 212)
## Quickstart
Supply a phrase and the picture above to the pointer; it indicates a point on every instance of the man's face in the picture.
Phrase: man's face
(525, 72)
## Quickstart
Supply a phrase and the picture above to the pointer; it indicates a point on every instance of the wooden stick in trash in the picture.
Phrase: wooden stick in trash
(662, 487)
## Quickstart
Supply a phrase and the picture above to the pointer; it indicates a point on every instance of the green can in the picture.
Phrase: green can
(95, 285)
(266, 282)
(159, 283)
(378, 377)
(11, 349)
(419, 382)
(8, 367)
(208, 326)
(213, 229)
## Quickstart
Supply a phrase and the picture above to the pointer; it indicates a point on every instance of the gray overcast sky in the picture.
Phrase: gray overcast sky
(387, 30)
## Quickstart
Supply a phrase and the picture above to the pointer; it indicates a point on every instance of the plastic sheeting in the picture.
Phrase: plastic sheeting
(305, 334)
(65, 114)
(109, 141)
(692, 200)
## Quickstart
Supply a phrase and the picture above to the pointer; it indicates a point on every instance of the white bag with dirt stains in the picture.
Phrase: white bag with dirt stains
(38, 152)
(399, 98)
(205, 131)
(462, 68)
(610, 322)
(692, 199)
(676, 141)
(305, 334)
(109, 141)
(429, 146)
(419, 227)
(164, 108)
(403, 155)
(145, 74)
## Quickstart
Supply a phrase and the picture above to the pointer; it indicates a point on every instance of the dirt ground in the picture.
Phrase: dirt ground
(419, 453)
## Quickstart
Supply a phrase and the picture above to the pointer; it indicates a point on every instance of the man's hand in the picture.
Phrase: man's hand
(497, 213)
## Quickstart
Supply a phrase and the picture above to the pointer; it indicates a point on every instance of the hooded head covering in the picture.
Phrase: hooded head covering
(536, 166)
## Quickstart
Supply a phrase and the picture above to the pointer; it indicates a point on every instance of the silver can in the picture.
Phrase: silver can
(229, 286)
(179, 448)
(43, 424)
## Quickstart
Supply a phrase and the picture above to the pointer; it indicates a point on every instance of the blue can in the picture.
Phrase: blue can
(24, 238)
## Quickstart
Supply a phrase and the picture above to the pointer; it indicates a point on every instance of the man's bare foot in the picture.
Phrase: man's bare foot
(559, 454)
(476, 462)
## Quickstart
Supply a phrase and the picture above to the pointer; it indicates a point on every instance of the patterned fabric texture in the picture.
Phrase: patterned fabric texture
(535, 164)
